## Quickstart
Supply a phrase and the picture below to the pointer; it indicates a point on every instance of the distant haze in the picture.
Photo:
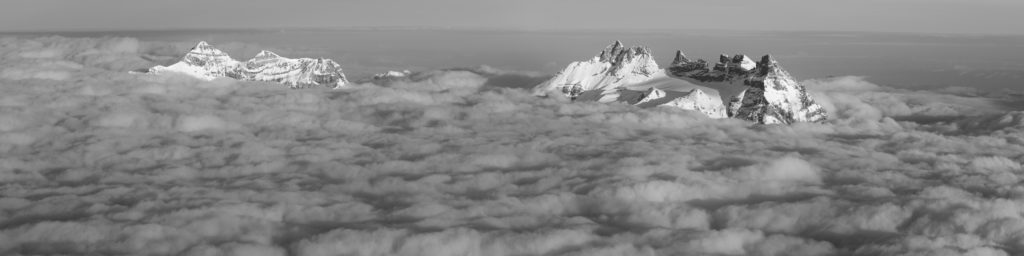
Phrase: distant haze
(941, 16)
(986, 63)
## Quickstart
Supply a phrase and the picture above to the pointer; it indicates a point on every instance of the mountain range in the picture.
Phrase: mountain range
(759, 91)
(206, 62)
(737, 86)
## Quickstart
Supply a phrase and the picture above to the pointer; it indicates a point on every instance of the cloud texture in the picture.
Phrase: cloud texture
(94, 160)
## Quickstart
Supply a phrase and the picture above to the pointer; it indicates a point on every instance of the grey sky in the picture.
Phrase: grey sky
(928, 16)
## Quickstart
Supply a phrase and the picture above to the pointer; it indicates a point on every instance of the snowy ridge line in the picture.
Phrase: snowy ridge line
(206, 62)
(759, 91)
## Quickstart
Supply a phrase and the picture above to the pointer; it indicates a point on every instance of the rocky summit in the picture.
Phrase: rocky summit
(760, 91)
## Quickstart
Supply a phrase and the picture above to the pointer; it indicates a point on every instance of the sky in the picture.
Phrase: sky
(941, 16)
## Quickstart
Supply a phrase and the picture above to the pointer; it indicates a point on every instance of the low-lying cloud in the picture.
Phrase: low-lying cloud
(460, 162)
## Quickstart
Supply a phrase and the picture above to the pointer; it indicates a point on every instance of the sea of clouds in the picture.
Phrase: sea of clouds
(97, 160)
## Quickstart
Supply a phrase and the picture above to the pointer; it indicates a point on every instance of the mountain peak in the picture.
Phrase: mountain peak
(743, 62)
(650, 95)
(613, 67)
(205, 48)
(266, 54)
(680, 58)
(209, 58)
(642, 50)
(724, 58)
(768, 60)
(769, 65)
(611, 52)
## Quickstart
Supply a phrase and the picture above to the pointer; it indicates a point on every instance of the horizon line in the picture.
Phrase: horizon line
(494, 29)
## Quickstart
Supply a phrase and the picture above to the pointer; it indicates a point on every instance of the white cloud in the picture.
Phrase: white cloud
(463, 162)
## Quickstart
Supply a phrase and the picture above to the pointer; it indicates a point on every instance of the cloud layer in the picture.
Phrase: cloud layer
(99, 161)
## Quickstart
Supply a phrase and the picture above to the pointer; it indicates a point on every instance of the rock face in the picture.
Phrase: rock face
(613, 67)
(208, 63)
(762, 91)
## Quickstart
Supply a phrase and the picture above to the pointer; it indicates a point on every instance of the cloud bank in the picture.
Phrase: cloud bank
(94, 160)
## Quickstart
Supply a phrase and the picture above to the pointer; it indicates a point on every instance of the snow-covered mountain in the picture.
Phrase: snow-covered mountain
(612, 68)
(760, 91)
(206, 62)
(203, 62)
(695, 99)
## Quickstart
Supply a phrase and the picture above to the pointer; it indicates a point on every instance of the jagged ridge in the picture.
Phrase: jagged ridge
(206, 62)
(769, 93)
(616, 65)
(760, 91)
